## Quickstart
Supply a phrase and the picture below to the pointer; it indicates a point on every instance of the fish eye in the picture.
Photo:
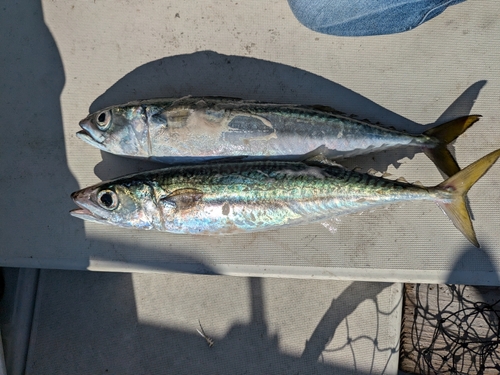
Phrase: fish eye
(107, 199)
(103, 120)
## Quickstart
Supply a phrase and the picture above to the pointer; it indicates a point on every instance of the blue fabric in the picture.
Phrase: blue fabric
(366, 17)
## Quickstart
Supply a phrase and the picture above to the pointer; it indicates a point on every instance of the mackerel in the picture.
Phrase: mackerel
(210, 127)
(227, 198)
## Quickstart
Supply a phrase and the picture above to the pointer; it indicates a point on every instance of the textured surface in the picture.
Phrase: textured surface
(119, 323)
(70, 56)
(450, 329)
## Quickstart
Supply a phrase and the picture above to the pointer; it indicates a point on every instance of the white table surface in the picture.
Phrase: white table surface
(60, 59)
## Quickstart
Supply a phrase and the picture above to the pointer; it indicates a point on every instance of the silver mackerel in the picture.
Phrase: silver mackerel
(160, 129)
(227, 198)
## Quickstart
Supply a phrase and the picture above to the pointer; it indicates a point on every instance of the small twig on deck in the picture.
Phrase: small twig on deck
(209, 341)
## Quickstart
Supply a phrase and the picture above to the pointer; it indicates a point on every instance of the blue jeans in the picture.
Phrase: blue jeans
(366, 17)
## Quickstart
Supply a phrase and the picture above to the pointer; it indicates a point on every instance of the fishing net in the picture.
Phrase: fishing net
(451, 329)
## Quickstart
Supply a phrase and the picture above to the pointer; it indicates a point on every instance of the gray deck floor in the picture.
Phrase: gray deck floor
(119, 323)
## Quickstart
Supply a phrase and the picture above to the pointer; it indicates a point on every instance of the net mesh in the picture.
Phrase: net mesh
(451, 329)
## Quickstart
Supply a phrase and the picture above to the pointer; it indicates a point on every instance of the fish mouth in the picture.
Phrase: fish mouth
(84, 135)
(81, 199)
(89, 134)
(85, 214)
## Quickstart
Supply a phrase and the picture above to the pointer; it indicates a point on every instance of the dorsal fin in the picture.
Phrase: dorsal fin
(402, 179)
(325, 108)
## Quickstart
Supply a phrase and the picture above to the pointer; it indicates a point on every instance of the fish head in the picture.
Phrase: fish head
(120, 130)
(128, 205)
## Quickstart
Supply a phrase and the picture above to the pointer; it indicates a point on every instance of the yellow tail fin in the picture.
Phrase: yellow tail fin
(446, 133)
(459, 184)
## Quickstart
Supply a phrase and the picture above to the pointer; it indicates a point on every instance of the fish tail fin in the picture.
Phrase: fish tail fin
(445, 134)
(458, 185)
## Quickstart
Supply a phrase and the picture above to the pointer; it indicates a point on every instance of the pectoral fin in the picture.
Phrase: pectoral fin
(183, 199)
